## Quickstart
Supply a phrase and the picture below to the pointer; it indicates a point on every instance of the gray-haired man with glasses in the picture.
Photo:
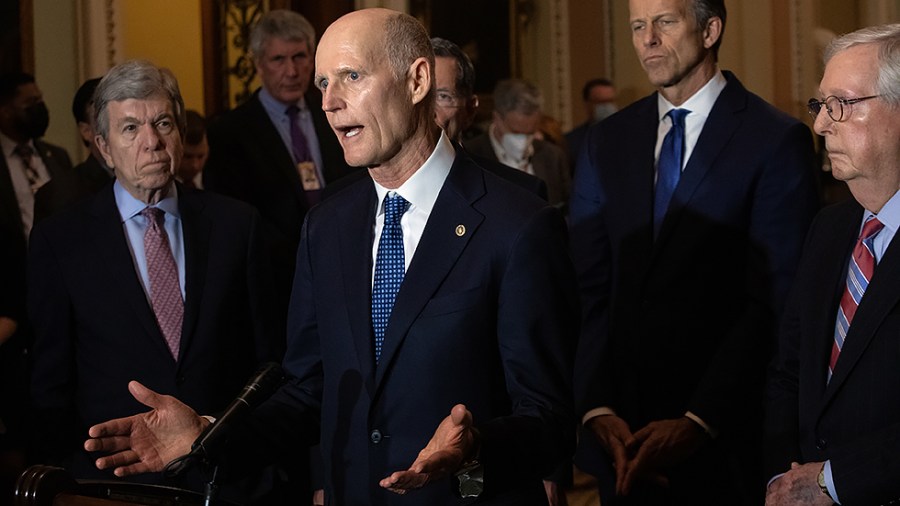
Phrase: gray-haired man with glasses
(833, 423)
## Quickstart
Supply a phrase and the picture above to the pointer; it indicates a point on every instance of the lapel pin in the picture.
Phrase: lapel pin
(460, 230)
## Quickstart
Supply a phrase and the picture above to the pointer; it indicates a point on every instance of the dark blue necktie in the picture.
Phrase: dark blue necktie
(668, 169)
(389, 268)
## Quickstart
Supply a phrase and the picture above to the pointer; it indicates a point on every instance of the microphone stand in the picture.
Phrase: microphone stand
(212, 489)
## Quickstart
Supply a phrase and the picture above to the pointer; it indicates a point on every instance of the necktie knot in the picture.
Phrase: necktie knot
(292, 112)
(870, 229)
(24, 150)
(154, 215)
(677, 117)
(394, 207)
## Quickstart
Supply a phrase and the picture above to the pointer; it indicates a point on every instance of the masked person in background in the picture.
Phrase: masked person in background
(599, 97)
(510, 138)
(27, 163)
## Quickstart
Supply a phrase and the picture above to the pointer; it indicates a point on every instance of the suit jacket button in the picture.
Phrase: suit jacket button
(821, 444)
(375, 436)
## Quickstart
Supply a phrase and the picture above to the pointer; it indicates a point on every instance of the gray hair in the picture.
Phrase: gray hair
(465, 75)
(887, 38)
(406, 40)
(517, 95)
(704, 10)
(137, 79)
(281, 24)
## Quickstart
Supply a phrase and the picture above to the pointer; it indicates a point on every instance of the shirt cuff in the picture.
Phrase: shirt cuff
(706, 427)
(602, 411)
(829, 482)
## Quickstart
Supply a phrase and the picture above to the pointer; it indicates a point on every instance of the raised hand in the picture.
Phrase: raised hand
(453, 442)
(148, 441)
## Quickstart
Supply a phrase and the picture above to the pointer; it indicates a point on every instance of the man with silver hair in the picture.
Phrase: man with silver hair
(833, 423)
(511, 138)
(276, 151)
(143, 280)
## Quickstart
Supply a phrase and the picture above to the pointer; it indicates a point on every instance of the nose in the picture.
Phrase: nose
(648, 36)
(823, 122)
(331, 100)
(151, 139)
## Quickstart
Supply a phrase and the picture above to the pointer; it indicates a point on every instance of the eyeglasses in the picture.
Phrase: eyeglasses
(447, 99)
(834, 105)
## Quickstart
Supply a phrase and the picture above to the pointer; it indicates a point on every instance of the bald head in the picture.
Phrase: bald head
(375, 70)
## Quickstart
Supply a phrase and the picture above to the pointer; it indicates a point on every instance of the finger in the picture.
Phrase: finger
(138, 468)
(108, 444)
(120, 459)
(144, 395)
(459, 415)
(404, 480)
(111, 428)
(794, 465)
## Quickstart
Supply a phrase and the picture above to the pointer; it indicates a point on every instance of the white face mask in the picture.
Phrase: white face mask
(517, 146)
(603, 111)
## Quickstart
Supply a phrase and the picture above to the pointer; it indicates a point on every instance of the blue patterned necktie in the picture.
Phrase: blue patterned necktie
(389, 268)
(668, 169)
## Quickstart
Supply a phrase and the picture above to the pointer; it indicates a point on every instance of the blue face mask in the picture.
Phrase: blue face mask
(603, 111)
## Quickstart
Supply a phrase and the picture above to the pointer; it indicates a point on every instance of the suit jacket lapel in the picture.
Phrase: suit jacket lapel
(724, 119)
(881, 296)
(269, 141)
(196, 228)
(112, 245)
(356, 239)
(439, 248)
(823, 304)
(55, 166)
(10, 203)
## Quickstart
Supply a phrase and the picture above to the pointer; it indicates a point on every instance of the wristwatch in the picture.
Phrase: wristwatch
(471, 479)
(822, 484)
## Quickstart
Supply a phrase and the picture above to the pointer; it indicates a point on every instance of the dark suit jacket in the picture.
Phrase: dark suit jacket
(549, 163)
(95, 329)
(84, 179)
(854, 419)
(58, 164)
(249, 161)
(685, 322)
(485, 316)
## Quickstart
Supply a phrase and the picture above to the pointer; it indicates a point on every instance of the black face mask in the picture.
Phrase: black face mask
(34, 120)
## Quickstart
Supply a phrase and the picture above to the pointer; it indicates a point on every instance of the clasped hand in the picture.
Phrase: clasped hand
(644, 455)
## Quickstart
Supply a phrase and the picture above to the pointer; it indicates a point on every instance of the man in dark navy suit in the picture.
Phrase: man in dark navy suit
(833, 418)
(689, 211)
(433, 314)
(252, 151)
(143, 280)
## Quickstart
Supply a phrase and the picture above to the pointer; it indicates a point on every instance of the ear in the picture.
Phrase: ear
(712, 32)
(419, 77)
(86, 132)
(104, 150)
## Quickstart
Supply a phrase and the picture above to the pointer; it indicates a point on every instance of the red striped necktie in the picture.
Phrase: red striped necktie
(862, 266)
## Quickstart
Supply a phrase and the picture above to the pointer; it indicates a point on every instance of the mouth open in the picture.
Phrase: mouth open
(349, 131)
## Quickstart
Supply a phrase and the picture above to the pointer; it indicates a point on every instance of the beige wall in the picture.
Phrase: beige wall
(149, 30)
(56, 70)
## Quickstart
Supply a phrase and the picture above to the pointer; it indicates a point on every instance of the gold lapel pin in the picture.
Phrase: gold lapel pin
(460, 230)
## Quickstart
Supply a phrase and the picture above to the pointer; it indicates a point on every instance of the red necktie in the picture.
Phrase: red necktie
(862, 266)
(165, 290)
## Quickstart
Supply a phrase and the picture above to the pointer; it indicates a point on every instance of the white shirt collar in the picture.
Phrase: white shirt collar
(700, 103)
(422, 188)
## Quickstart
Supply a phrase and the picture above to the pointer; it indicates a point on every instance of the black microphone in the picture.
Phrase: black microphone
(260, 387)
